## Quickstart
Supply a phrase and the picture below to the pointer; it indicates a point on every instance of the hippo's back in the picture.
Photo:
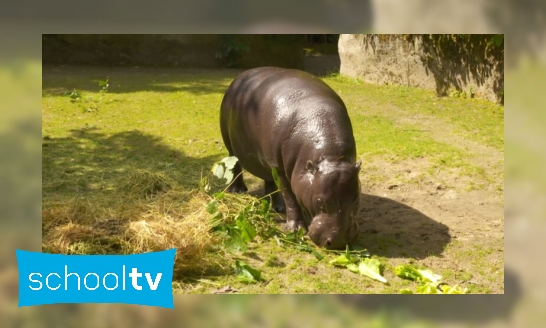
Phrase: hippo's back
(268, 111)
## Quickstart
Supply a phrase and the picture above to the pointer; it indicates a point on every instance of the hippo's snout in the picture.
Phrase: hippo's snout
(335, 241)
(324, 232)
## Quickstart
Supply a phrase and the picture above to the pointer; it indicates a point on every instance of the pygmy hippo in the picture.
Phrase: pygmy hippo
(292, 121)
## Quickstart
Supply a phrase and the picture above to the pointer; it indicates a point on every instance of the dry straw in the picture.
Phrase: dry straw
(150, 212)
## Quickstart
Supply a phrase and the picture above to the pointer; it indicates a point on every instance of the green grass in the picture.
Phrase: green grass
(166, 121)
(475, 119)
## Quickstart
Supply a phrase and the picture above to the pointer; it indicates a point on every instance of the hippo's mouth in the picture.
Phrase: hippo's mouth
(325, 232)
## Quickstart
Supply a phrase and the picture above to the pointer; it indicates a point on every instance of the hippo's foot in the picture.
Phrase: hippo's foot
(295, 225)
(237, 187)
(278, 203)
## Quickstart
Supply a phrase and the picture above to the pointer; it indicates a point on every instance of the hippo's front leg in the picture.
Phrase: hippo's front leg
(294, 215)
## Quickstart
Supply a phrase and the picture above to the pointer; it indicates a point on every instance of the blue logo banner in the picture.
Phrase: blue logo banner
(143, 279)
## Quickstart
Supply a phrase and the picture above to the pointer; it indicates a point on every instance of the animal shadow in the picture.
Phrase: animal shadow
(391, 229)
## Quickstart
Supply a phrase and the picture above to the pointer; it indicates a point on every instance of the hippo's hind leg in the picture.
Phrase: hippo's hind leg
(238, 184)
(276, 199)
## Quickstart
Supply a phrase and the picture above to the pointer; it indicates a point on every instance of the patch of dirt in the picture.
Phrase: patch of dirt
(405, 216)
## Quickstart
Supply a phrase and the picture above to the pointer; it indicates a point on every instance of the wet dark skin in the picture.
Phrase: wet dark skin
(294, 122)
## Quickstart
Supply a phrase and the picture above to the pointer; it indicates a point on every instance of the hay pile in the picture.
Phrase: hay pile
(148, 212)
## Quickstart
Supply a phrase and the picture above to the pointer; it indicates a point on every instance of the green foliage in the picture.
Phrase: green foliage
(276, 178)
(349, 256)
(411, 273)
(496, 40)
(219, 175)
(74, 96)
(429, 283)
(104, 85)
(298, 241)
(463, 94)
(245, 273)
(232, 49)
(89, 103)
(360, 263)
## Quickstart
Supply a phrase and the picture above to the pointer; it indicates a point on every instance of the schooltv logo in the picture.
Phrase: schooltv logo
(143, 279)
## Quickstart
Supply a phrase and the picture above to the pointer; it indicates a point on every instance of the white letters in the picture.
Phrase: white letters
(135, 275)
(47, 281)
(85, 281)
(66, 275)
(104, 281)
(156, 282)
(38, 281)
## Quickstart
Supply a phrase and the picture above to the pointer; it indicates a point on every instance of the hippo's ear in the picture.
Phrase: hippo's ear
(311, 168)
(357, 165)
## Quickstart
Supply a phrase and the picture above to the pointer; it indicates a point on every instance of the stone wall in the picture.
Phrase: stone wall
(465, 63)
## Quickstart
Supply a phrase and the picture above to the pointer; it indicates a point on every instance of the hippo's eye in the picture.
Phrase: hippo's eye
(320, 204)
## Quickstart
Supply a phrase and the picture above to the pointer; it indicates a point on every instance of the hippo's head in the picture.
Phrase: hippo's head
(330, 202)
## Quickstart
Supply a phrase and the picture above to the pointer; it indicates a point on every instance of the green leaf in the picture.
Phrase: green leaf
(341, 260)
(279, 242)
(347, 253)
(296, 236)
(218, 170)
(216, 221)
(453, 290)
(303, 247)
(276, 178)
(224, 170)
(406, 271)
(428, 288)
(317, 254)
(219, 195)
(228, 175)
(247, 230)
(430, 276)
(309, 249)
(345, 258)
(433, 288)
(74, 95)
(235, 242)
(246, 273)
(301, 234)
(372, 269)
(353, 267)
(212, 207)
(265, 207)
(230, 162)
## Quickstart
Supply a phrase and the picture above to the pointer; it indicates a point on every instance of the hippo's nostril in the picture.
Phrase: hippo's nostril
(328, 242)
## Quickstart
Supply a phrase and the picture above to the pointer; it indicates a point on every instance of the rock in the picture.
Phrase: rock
(392, 186)
(387, 60)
